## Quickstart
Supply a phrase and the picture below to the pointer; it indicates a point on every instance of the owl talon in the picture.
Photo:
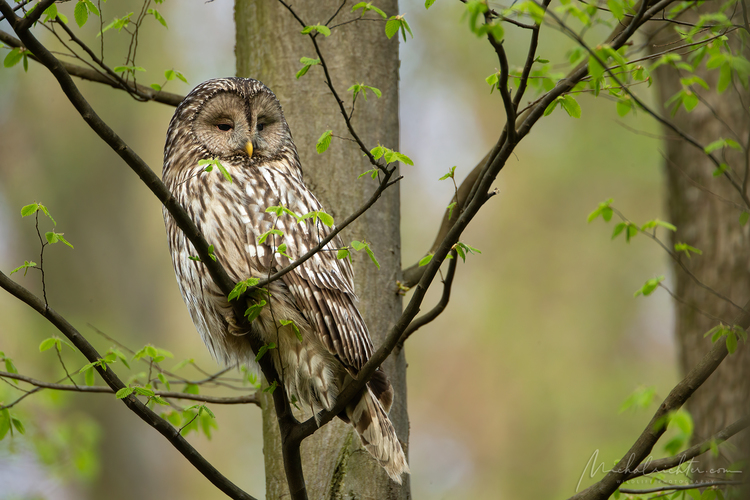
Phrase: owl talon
(233, 328)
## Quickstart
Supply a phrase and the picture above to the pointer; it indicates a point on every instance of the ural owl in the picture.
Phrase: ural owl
(240, 123)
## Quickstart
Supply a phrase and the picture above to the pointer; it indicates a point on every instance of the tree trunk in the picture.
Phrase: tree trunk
(697, 206)
(269, 47)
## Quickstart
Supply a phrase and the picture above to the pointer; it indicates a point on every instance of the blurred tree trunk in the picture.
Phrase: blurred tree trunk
(706, 221)
(269, 46)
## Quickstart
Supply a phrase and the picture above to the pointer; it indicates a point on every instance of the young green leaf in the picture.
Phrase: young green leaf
(324, 141)
(124, 392)
(26, 265)
(320, 28)
(80, 13)
(241, 287)
(342, 253)
(295, 328)
(684, 247)
(254, 311)
(649, 287)
(425, 260)
(263, 237)
(158, 17)
(368, 6)
(306, 64)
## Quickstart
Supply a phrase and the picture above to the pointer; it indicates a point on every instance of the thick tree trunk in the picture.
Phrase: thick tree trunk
(269, 47)
(705, 220)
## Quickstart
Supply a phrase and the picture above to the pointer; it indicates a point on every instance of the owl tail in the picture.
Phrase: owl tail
(376, 432)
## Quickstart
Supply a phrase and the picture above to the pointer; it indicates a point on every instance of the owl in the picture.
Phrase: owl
(310, 314)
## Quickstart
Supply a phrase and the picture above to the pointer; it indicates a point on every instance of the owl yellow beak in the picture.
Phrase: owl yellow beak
(249, 148)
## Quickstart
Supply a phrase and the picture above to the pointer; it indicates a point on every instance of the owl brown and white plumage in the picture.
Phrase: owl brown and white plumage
(240, 122)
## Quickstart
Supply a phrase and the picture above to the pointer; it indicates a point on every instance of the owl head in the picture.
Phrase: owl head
(236, 119)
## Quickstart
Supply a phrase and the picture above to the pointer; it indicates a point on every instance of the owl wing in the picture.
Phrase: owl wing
(323, 286)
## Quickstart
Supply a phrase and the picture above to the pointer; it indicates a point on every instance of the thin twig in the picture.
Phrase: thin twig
(247, 399)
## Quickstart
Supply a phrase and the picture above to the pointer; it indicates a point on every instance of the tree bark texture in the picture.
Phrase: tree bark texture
(709, 223)
(269, 47)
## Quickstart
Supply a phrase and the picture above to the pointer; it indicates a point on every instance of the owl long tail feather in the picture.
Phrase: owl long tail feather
(377, 434)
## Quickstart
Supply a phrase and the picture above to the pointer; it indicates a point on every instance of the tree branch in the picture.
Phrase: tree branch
(437, 310)
(678, 487)
(656, 427)
(91, 75)
(690, 453)
(147, 415)
(250, 398)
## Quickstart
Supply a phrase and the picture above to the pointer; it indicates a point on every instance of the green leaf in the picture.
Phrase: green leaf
(649, 287)
(29, 209)
(263, 349)
(363, 245)
(156, 87)
(262, 238)
(731, 341)
(642, 398)
(617, 9)
(684, 247)
(18, 425)
(725, 78)
(241, 287)
(570, 105)
(26, 265)
(391, 27)
(342, 253)
(307, 63)
(325, 218)
(450, 175)
(92, 8)
(723, 167)
(159, 400)
(551, 107)
(191, 389)
(124, 392)
(428, 3)
(324, 141)
(89, 376)
(128, 69)
(603, 209)
(295, 328)
(624, 106)
(271, 388)
(5, 424)
(164, 380)
(13, 58)
(144, 391)
(744, 217)
(80, 13)
(254, 311)
(372, 256)
(320, 28)
(367, 6)
(158, 17)
(48, 343)
(425, 260)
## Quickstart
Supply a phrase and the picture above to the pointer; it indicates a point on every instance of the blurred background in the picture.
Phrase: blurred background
(511, 391)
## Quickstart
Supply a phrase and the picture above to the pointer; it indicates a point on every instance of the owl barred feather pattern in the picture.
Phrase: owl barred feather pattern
(240, 122)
